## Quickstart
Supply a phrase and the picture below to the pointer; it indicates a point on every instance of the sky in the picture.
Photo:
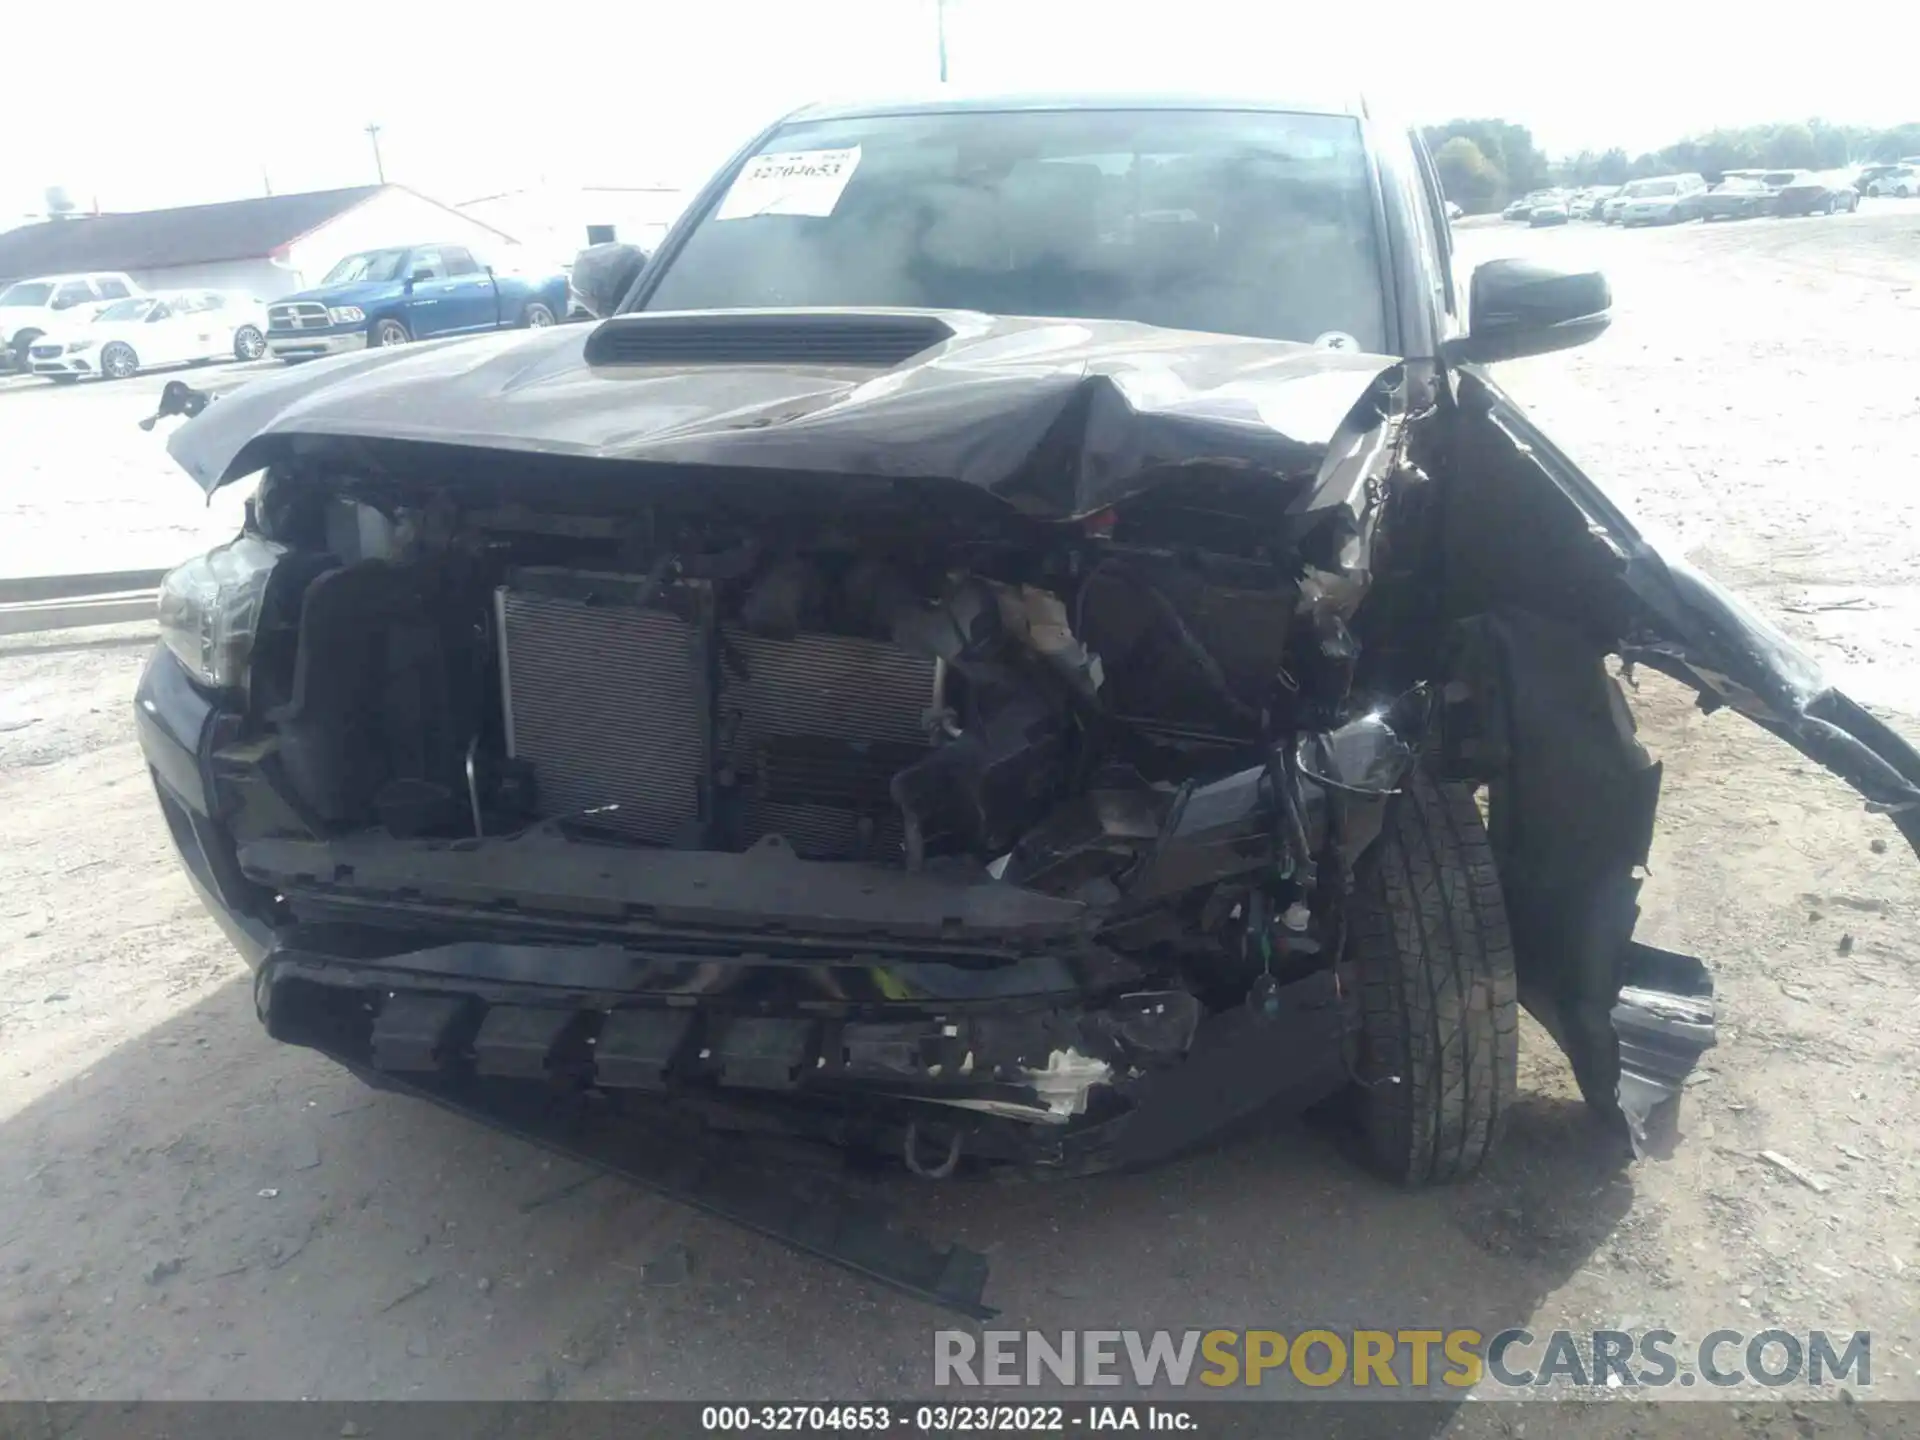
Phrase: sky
(473, 100)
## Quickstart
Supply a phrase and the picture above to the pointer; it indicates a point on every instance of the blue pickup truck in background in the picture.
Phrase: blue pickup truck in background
(412, 292)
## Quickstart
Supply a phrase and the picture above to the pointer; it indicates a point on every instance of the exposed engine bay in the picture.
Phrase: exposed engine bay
(973, 758)
(1141, 744)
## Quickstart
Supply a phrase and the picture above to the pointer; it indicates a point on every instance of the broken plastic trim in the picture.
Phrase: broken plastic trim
(1663, 1017)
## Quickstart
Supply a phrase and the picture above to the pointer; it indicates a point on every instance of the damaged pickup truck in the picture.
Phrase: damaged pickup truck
(1024, 635)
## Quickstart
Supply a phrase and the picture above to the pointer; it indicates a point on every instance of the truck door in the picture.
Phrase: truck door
(446, 303)
(433, 303)
(472, 287)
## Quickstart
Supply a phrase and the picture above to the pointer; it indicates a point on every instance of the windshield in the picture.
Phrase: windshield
(1246, 223)
(1741, 185)
(25, 293)
(1641, 189)
(369, 265)
(1780, 177)
(125, 310)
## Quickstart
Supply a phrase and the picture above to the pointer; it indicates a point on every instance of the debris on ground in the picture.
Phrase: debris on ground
(1819, 1184)
(412, 1288)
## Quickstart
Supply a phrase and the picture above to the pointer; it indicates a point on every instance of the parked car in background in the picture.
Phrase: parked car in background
(1550, 211)
(413, 292)
(1801, 192)
(1900, 180)
(1738, 197)
(1454, 212)
(1660, 200)
(1865, 175)
(1587, 206)
(29, 308)
(1519, 209)
(150, 332)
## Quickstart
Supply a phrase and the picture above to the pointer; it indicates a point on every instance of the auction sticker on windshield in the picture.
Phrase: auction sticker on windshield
(796, 182)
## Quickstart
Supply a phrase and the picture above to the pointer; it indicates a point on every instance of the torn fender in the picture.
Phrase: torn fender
(1690, 627)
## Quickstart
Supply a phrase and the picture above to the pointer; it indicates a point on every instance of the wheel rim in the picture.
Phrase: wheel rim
(390, 334)
(539, 317)
(252, 343)
(119, 362)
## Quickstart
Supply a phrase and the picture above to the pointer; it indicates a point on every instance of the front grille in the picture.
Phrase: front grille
(48, 352)
(298, 315)
(604, 700)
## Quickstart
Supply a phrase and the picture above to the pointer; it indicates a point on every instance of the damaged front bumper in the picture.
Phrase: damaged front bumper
(1044, 1079)
(927, 1017)
(1024, 1039)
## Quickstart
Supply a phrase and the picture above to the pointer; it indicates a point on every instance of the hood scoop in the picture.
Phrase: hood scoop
(747, 337)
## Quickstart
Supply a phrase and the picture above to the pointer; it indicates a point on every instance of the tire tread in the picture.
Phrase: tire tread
(1439, 1001)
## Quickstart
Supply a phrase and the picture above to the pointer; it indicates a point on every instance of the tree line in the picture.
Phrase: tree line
(1483, 163)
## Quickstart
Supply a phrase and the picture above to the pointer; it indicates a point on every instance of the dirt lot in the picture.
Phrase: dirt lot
(187, 1210)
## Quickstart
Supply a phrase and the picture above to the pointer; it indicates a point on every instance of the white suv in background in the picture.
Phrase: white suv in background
(29, 308)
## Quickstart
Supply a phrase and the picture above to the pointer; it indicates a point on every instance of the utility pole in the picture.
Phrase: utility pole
(940, 19)
(373, 134)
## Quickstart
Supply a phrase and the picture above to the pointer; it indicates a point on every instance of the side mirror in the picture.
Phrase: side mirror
(417, 276)
(1518, 307)
(603, 274)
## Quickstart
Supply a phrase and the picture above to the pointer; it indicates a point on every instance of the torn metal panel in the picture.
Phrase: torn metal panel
(1686, 625)
(1665, 1022)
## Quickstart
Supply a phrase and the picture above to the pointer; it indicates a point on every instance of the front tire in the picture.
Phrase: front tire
(387, 332)
(249, 343)
(536, 317)
(1430, 953)
(119, 362)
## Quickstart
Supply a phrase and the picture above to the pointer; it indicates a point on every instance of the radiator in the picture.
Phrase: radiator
(602, 698)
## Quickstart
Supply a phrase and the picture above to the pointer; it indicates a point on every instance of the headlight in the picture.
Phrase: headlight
(210, 607)
(78, 345)
(346, 314)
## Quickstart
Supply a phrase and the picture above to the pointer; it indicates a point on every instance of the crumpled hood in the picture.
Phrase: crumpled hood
(1056, 417)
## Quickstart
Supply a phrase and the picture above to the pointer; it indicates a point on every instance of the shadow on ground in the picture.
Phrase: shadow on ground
(206, 1214)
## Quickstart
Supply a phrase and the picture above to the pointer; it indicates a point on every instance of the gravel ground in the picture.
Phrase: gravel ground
(187, 1210)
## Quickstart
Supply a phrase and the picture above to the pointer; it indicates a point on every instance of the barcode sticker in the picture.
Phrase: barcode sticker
(796, 182)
